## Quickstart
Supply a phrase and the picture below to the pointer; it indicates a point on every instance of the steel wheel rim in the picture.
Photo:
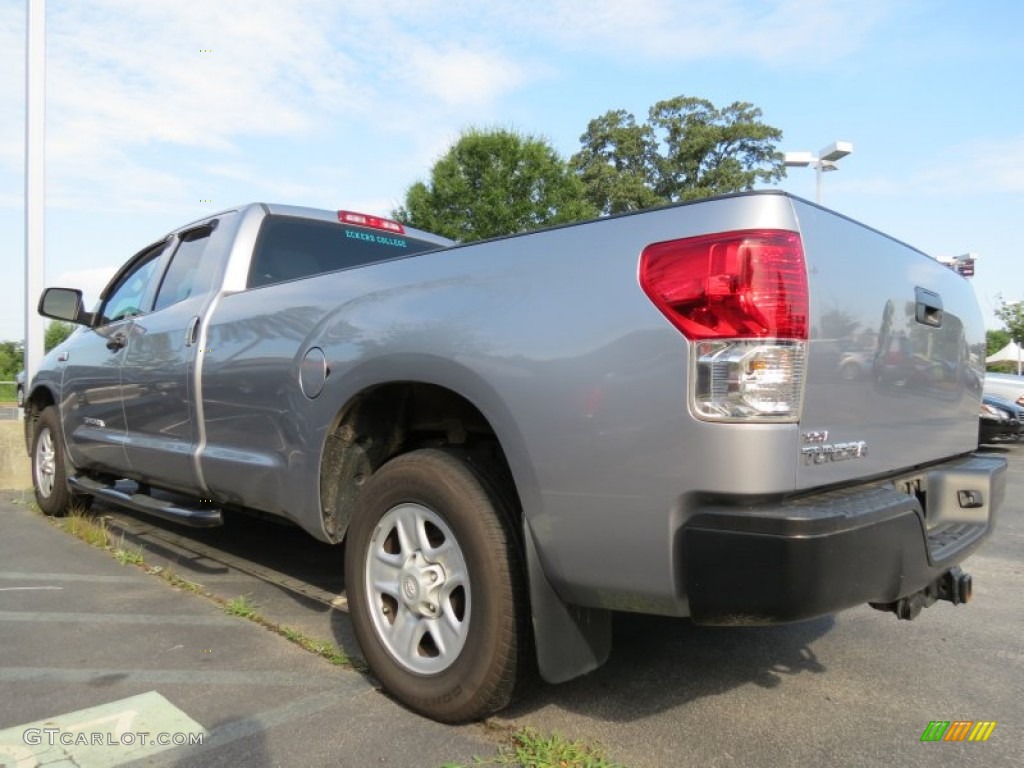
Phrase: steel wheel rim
(46, 462)
(417, 589)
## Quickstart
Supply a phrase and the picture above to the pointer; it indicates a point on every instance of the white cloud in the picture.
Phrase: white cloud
(89, 281)
(134, 87)
(461, 76)
(141, 95)
(995, 165)
(128, 85)
(186, 72)
(12, 87)
(783, 30)
(982, 167)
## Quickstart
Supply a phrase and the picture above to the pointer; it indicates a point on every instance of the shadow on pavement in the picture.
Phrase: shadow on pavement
(659, 663)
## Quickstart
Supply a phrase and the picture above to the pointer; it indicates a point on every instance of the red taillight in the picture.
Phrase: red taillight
(745, 284)
(374, 222)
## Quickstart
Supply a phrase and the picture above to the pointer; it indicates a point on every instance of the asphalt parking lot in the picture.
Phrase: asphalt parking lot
(856, 689)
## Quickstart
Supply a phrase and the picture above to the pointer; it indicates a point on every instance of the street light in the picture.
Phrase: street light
(825, 160)
(35, 182)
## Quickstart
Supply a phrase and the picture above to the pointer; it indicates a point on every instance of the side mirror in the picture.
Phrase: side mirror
(64, 304)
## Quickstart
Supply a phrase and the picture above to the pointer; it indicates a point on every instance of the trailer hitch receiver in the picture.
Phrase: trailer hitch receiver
(954, 586)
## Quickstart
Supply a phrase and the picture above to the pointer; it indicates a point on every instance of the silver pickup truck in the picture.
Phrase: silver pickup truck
(517, 438)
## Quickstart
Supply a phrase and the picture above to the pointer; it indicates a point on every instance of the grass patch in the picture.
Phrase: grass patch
(92, 530)
(127, 556)
(240, 606)
(167, 574)
(528, 749)
(326, 650)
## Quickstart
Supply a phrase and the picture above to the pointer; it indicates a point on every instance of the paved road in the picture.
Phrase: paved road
(106, 652)
(855, 689)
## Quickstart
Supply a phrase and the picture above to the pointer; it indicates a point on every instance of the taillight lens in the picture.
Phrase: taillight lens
(742, 297)
(731, 285)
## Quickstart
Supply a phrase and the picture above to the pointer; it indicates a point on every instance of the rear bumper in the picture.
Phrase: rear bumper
(823, 553)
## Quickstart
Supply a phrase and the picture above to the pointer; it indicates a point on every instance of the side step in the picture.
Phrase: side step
(196, 517)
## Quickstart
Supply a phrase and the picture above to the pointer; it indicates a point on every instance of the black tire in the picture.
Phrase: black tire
(49, 468)
(458, 587)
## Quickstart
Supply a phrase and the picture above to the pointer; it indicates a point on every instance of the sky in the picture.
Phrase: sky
(160, 112)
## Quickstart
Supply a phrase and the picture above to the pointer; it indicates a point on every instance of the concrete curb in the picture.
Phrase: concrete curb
(15, 471)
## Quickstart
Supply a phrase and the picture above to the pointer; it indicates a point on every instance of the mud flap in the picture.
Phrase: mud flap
(570, 640)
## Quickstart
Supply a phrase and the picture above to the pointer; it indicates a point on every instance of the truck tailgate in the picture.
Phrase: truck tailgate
(896, 355)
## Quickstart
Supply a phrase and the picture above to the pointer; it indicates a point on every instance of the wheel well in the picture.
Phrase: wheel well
(390, 419)
(39, 401)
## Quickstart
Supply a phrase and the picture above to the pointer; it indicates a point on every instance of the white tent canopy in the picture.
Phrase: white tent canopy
(1011, 353)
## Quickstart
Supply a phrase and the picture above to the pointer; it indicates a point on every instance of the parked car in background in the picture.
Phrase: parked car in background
(1000, 420)
(853, 365)
(1005, 385)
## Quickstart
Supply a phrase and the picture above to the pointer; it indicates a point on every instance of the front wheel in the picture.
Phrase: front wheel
(435, 587)
(49, 467)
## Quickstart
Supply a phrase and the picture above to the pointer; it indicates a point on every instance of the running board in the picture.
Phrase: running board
(201, 517)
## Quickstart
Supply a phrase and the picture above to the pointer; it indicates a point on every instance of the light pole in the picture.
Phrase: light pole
(824, 161)
(35, 180)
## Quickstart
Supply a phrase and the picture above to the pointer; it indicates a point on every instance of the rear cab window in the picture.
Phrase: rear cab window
(290, 248)
(189, 274)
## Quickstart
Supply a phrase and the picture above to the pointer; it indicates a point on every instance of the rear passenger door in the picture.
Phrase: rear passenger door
(158, 376)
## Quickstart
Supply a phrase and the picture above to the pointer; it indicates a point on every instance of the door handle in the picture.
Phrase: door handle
(116, 342)
(192, 332)
(929, 307)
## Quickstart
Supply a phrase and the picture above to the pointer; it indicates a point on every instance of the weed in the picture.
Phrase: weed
(127, 556)
(167, 573)
(91, 530)
(527, 749)
(177, 581)
(240, 606)
(321, 648)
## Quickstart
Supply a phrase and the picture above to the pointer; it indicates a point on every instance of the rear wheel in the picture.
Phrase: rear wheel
(435, 587)
(49, 467)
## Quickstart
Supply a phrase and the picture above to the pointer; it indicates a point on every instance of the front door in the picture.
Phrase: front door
(93, 410)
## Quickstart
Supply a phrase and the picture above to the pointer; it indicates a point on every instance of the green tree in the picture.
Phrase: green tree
(1012, 315)
(12, 355)
(996, 340)
(55, 333)
(618, 163)
(687, 150)
(493, 183)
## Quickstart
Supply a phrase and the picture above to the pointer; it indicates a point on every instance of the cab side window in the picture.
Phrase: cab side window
(132, 290)
(187, 275)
